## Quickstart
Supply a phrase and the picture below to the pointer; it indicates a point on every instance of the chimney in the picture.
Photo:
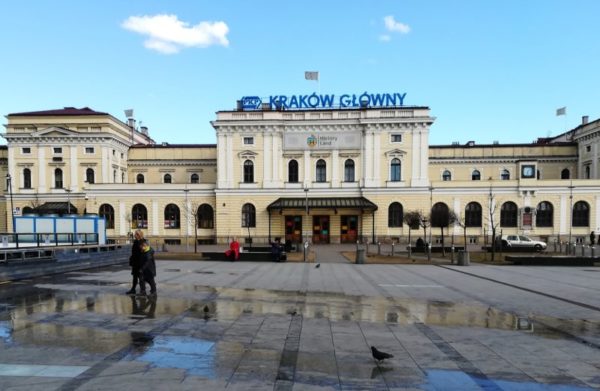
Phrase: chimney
(144, 130)
(585, 119)
(131, 123)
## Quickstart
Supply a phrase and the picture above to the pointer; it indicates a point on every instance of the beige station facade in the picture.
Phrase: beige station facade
(326, 175)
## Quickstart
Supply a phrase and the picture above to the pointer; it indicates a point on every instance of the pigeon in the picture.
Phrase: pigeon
(379, 356)
(206, 309)
(318, 266)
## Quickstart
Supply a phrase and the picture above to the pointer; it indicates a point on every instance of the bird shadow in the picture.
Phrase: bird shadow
(379, 371)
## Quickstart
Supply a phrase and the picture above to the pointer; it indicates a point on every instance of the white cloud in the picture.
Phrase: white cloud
(394, 26)
(167, 34)
(385, 38)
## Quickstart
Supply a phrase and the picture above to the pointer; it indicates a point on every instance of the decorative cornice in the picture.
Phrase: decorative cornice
(154, 163)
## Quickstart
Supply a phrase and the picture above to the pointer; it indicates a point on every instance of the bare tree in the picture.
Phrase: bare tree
(413, 220)
(442, 217)
(192, 212)
(462, 222)
(492, 207)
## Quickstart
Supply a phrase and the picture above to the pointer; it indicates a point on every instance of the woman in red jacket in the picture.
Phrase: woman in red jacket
(233, 254)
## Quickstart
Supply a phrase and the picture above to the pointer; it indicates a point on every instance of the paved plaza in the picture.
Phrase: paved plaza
(292, 326)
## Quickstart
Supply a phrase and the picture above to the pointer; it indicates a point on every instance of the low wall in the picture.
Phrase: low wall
(552, 260)
(20, 264)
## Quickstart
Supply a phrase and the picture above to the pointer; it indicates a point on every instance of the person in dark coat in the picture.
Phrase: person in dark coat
(135, 260)
(276, 250)
(592, 238)
(147, 269)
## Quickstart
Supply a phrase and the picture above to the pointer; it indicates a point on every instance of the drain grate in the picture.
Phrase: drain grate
(203, 272)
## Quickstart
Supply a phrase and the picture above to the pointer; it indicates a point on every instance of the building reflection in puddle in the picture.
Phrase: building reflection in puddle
(196, 356)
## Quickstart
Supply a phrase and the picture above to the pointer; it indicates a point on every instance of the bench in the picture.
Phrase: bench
(247, 255)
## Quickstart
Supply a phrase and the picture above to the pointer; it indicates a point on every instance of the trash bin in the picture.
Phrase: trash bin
(360, 255)
(463, 258)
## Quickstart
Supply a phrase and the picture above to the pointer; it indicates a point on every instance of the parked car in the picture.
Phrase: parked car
(522, 242)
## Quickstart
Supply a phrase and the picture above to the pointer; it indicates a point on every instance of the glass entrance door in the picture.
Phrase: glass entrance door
(320, 229)
(293, 229)
(349, 229)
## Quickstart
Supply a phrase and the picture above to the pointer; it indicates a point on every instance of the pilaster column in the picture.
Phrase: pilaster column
(335, 165)
(122, 221)
(41, 169)
(267, 159)
(563, 216)
(74, 180)
(154, 218)
(377, 159)
(230, 161)
(307, 165)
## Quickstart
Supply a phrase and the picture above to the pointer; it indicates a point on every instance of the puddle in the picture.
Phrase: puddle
(196, 356)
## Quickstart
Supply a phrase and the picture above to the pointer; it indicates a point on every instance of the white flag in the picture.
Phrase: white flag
(311, 75)
(561, 111)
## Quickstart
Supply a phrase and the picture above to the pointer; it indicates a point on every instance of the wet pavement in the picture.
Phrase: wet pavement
(219, 325)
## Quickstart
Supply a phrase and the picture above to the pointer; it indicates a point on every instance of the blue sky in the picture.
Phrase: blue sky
(489, 70)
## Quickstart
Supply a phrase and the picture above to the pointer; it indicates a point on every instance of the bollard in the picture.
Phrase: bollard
(360, 256)
(582, 250)
(429, 252)
(409, 248)
(560, 247)
(592, 248)
(452, 254)
(555, 245)
(393, 244)
(378, 248)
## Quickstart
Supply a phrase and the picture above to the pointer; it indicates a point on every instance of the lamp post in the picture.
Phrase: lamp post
(305, 244)
(187, 220)
(68, 191)
(430, 212)
(570, 213)
(12, 209)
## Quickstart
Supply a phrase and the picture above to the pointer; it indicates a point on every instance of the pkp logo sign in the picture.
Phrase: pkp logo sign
(311, 141)
(251, 102)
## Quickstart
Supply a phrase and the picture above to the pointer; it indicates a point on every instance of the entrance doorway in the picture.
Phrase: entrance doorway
(293, 229)
(320, 229)
(349, 229)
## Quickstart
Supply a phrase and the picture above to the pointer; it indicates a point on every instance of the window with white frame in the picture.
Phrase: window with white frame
(89, 150)
(248, 140)
(26, 150)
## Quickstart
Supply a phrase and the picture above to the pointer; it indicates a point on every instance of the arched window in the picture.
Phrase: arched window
(293, 171)
(26, 178)
(206, 217)
(321, 171)
(349, 171)
(447, 175)
(139, 216)
(58, 178)
(139, 178)
(544, 215)
(588, 171)
(172, 219)
(167, 178)
(395, 215)
(248, 215)
(505, 175)
(395, 167)
(508, 214)
(473, 214)
(581, 214)
(440, 215)
(565, 174)
(108, 213)
(248, 171)
(89, 175)
(122, 177)
(114, 176)
(475, 175)
(195, 178)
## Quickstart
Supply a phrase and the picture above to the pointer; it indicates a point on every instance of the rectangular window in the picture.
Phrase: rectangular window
(248, 140)
(588, 148)
(89, 150)
(396, 138)
(57, 150)
(26, 150)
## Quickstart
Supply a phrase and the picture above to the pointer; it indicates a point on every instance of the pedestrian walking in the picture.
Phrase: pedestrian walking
(592, 238)
(147, 269)
(135, 260)
(276, 250)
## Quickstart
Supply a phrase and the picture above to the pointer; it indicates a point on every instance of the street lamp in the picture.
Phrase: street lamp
(570, 213)
(12, 210)
(305, 244)
(68, 191)
(187, 220)
(430, 212)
